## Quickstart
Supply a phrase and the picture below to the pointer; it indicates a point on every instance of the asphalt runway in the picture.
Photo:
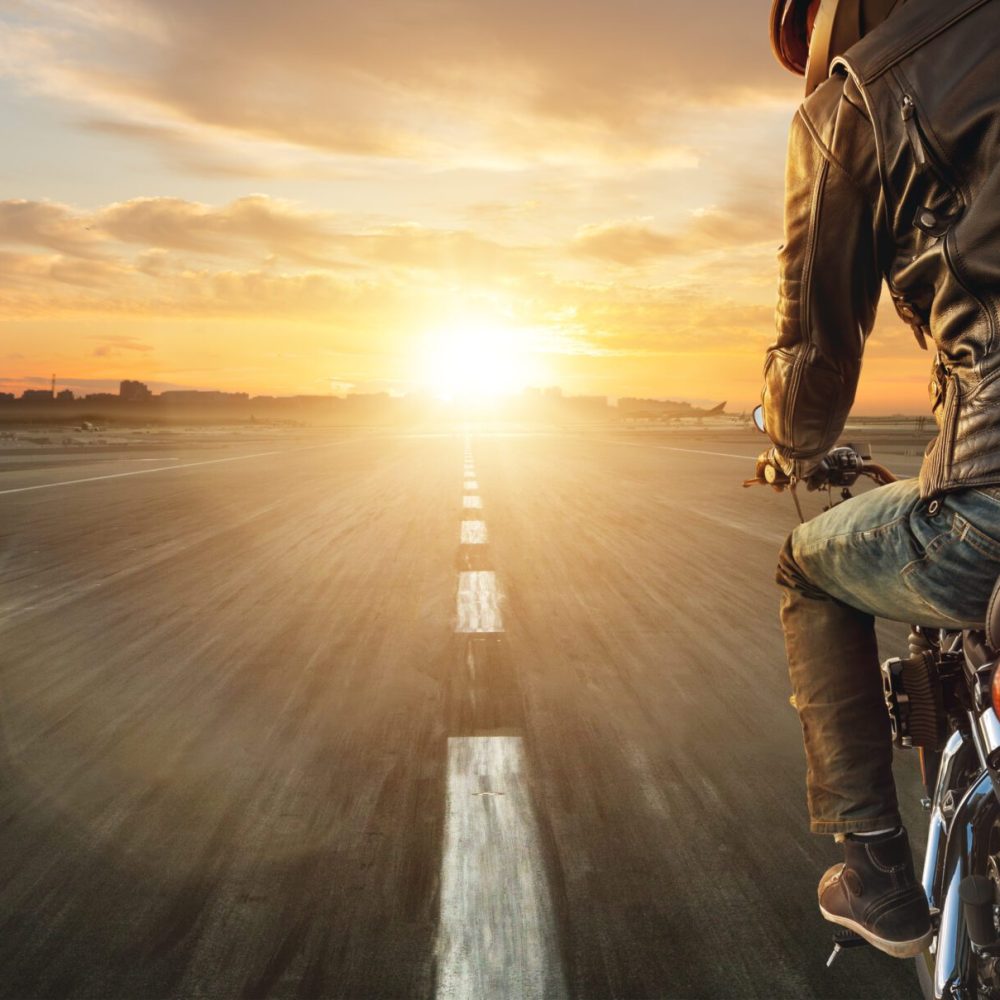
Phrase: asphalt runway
(297, 719)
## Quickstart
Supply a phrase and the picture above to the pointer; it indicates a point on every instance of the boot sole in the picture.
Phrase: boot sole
(897, 949)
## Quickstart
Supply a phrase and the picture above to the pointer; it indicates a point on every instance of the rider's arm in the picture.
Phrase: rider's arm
(830, 274)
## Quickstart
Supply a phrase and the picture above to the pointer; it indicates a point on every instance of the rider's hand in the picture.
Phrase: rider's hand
(812, 471)
(771, 469)
(817, 474)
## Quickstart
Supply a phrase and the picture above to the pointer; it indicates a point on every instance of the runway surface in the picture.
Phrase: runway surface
(473, 712)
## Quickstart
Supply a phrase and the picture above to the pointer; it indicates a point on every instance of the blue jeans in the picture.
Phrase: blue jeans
(888, 554)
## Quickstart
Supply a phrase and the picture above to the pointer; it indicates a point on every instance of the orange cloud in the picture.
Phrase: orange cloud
(494, 78)
(752, 218)
(46, 224)
(254, 222)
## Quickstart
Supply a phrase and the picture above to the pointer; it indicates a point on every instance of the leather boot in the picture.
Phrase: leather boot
(875, 893)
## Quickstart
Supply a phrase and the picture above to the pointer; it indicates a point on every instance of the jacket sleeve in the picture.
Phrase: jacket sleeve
(829, 277)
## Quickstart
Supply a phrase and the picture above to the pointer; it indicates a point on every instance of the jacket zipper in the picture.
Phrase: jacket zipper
(912, 130)
(945, 443)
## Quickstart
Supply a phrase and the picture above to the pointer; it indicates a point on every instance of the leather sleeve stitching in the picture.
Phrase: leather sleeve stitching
(829, 155)
(805, 304)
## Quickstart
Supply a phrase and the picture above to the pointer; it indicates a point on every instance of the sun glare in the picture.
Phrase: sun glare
(479, 358)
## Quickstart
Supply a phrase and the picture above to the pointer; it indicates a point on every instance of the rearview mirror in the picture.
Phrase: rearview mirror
(758, 419)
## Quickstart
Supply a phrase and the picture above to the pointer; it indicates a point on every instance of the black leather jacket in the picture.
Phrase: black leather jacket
(894, 173)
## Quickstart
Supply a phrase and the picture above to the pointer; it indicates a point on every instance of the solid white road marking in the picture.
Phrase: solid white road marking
(689, 451)
(473, 532)
(471, 484)
(472, 503)
(496, 935)
(714, 454)
(478, 602)
(139, 472)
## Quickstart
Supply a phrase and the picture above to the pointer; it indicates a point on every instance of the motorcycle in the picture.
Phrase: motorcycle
(943, 700)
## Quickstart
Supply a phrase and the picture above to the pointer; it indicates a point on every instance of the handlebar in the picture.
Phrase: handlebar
(842, 467)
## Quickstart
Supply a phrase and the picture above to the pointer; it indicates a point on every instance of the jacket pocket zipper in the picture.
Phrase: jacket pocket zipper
(946, 443)
(912, 130)
(923, 152)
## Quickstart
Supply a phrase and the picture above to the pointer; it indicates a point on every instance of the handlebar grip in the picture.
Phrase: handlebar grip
(775, 476)
(879, 473)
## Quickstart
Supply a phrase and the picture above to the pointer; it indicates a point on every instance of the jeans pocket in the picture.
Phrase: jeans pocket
(981, 523)
(991, 493)
(954, 575)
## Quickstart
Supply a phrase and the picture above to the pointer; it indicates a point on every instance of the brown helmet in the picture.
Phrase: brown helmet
(839, 24)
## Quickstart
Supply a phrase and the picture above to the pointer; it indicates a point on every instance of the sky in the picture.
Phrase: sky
(320, 196)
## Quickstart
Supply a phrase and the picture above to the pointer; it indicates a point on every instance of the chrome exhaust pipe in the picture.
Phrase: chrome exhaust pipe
(953, 948)
(940, 816)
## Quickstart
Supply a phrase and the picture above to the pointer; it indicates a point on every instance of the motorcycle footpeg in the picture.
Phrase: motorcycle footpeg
(842, 940)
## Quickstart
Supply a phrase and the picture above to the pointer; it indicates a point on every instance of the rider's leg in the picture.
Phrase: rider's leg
(890, 554)
(834, 668)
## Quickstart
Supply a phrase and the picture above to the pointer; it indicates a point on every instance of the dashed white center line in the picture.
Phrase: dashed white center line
(472, 503)
(471, 484)
(473, 533)
(496, 937)
(478, 603)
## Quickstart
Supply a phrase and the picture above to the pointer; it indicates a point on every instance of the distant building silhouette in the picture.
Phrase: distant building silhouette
(37, 394)
(202, 396)
(134, 392)
(66, 394)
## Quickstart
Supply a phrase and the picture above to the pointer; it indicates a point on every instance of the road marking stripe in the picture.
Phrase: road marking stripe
(698, 451)
(471, 484)
(689, 451)
(478, 602)
(473, 533)
(472, 503)
(141, 472)
(496, 935)
(184, 465)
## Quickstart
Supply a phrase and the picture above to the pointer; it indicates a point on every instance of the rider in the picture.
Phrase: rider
(893, 175)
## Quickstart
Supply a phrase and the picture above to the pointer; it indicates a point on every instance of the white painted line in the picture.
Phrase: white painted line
(496, 934)
(473, 533)
(472, 503)
(138, 472)
(478, 603)
(689, 451)
(471, 484)
(183, 465)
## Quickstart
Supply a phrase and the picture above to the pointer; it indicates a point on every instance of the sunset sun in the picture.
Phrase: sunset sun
(476, 357)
